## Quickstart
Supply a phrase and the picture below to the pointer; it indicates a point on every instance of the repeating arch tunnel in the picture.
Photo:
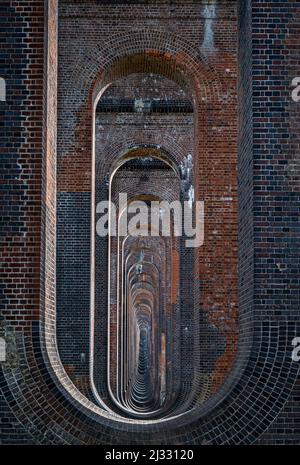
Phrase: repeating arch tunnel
(149, 375)
(85, 72)
(140, 381)
(152, 368)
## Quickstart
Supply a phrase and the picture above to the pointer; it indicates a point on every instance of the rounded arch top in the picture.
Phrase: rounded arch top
(146, 151)
(146, 51)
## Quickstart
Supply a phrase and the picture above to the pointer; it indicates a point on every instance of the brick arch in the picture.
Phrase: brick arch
(116, 155)
(185, 66)
(217, 426)
(2, 89)
(156, 46)
(124, 148)
(140, 52)
(50, 416)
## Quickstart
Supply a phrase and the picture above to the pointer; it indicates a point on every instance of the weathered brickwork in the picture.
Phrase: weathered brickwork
(46, 256)
(213, 126)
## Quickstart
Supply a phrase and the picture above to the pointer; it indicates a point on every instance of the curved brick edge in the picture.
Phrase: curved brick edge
(254, 403)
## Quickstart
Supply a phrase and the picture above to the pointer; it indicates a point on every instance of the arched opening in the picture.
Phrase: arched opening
(140, 376)
(155, 366)
(182, 146)
(2, 349)
(212, 79)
